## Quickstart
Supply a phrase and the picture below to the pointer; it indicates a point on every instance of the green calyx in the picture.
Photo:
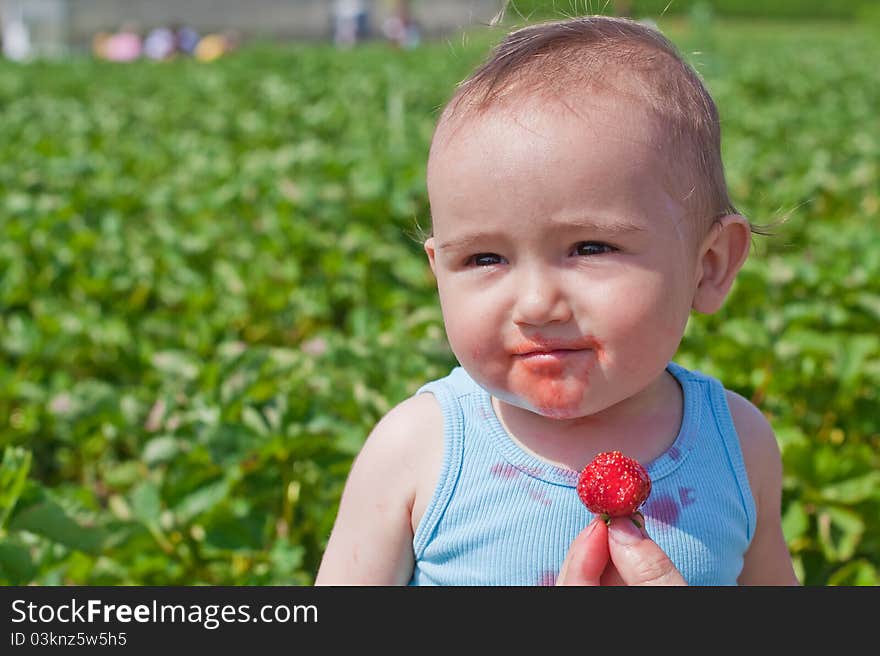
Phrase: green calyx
(634, 518)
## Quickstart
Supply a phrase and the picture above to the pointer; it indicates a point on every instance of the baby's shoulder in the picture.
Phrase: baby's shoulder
(410, 438)
(757, 441)
(405, 423)
(409, 435)
(751, 424)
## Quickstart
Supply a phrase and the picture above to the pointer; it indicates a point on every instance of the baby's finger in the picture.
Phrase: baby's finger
(637, 558)
(587, 556)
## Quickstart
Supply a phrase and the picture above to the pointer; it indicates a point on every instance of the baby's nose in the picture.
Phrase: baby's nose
(540, 299)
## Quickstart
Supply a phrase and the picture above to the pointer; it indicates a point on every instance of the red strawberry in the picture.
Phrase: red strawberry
(613, 485)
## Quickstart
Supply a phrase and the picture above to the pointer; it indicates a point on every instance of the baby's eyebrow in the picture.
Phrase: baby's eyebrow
(606, 226)
(462, 241)
(609, 228)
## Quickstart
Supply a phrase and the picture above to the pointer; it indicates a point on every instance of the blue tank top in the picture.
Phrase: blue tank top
(501, 516)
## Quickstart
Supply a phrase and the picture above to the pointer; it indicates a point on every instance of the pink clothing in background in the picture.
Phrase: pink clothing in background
(123, 47)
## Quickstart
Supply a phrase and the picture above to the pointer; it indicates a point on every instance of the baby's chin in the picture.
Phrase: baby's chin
(558, 409)
(555, 412)
(559, 414)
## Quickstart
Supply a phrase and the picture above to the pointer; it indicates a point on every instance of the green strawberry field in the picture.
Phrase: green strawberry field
(211, 287)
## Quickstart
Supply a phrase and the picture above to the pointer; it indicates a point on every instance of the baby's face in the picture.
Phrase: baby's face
(566, 270)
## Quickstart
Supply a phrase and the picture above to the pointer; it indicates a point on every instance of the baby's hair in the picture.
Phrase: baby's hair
(562, 60)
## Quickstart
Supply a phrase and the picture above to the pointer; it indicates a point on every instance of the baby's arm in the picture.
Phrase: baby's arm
(767, 561)
(371, 541)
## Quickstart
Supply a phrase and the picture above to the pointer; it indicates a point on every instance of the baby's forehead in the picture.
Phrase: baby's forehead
(601, 127)
(584, 117)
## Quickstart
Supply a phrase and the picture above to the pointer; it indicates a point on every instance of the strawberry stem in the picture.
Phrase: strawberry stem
(635, 521)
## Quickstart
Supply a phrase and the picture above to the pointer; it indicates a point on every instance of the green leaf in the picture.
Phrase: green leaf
(840, 531)
(795, 521)
(853, 355)
(160, 449)
(176, 364)
(871, 303)
(857, 572)
(253, 419)
(47, 518)
(13, 476)
(124, 474)
(16, 566)
(854, 490)
(145, 502)
(236, 533)
(286, 558)
(203, 499)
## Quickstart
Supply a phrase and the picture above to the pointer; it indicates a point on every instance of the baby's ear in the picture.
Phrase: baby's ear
(721, 255)
(429, 249)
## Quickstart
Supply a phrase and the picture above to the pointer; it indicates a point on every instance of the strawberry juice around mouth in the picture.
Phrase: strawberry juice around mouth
(553, 382)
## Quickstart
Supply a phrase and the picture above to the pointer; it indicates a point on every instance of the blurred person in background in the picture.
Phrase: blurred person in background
(125, 45)
(16, 40)
(160, 44)
(400, 27)
(351, 21)
(99, 44)
(186, 37)
(214, 46)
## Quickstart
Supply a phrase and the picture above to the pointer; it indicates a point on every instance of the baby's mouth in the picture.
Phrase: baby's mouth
(559, 357)
(554, 363)
(552, 354)
(554, 348)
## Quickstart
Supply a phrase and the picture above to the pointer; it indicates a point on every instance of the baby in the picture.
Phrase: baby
(579, 214)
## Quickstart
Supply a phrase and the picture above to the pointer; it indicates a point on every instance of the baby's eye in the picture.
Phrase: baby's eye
(484, 259)
(592, 248)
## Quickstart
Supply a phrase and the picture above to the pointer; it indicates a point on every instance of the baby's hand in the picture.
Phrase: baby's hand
(617, 554)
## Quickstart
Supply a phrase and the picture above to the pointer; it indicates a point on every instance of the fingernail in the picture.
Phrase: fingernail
(624, 532)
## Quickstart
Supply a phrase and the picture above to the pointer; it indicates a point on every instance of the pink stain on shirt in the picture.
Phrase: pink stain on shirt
(686, 496)
(547, 578)
(663, 508)
(504, 470)
(540, 497)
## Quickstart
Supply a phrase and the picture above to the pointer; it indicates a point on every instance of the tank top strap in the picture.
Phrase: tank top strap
(448, 392)
(712, 398)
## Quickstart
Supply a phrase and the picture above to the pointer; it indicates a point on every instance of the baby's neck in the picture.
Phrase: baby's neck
(642, 429)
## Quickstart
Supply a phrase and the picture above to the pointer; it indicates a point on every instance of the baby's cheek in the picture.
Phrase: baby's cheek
(648, 324)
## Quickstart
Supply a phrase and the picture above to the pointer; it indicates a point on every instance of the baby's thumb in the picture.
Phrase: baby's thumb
(637, 558)
(587, 556)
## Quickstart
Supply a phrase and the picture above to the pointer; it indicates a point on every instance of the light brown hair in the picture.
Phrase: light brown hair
(560, 59)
